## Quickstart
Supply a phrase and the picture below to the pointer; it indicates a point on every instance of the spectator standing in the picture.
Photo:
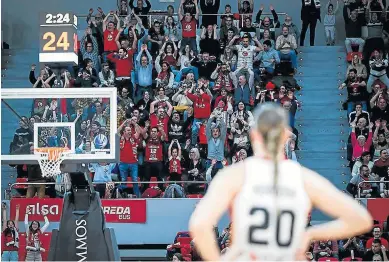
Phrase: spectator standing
(359, 113)
(90, 48)
(356, 184)
(110, 33)
(96, 24)
(245, 91)
(172, 29)
(156, 37)
(33, 235)
(245, 51)
(286, 46)
(124, 65)
(209, 10)
(188, 6)
(216, 136)
(201, 105)
(310, 13)
(35, 176)
(205, 65)
(330, 22)
(266, 22)
(141, 10)
(144, 69)
(154, 153)
(378, 65)
(380, 111)
(361, 144)
(209, 41)
(353, 27)
(10, 235)
(174, 157)
(102, 175)
(129, 143)
(188, 25)
(23, 138)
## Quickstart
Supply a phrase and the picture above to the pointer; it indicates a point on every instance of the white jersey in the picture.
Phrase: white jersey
(245, 55)
(260, 232)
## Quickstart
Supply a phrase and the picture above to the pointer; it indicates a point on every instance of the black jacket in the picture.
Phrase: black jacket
(309, 12)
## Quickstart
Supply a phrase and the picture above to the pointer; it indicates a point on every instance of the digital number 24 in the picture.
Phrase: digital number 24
(52, 44)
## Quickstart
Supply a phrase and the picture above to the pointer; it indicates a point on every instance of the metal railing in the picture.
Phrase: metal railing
(13, 185)
(164, 13)
(369, 182)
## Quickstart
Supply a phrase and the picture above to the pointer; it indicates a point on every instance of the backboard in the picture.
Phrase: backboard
(82, 119)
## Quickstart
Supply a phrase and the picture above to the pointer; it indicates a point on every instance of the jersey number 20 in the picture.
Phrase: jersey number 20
(265, 225)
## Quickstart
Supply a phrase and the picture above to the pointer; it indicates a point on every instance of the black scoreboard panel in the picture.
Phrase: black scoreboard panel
(58, 38)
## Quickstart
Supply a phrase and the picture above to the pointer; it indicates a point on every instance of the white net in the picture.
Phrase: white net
(50, 160)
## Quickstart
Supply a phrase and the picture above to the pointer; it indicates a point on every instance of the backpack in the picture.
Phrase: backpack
(152, 192)
(174, 191)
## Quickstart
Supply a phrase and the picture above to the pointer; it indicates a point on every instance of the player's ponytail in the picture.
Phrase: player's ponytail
(271, 121)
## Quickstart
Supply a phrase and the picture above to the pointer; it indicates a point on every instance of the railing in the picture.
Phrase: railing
(164, 13)
(370, 182)
(12, 186)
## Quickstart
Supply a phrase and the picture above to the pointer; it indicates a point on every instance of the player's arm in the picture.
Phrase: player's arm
(351, 218)
(211, 208)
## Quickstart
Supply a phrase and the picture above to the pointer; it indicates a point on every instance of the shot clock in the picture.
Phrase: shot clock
(58, 38)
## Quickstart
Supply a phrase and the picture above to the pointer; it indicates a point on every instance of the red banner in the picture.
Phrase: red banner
(52, 205)
(379, 208)
(115, 211)
(124, 210)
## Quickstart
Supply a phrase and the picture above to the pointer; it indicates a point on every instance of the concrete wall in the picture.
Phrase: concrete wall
(20, 17)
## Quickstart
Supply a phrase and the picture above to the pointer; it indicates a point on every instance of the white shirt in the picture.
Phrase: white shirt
(260, 231)
(245, 54)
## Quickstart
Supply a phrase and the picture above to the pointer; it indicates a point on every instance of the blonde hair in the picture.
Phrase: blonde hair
(271, 121)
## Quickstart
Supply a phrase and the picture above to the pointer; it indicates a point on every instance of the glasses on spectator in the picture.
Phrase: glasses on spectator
(89, 46)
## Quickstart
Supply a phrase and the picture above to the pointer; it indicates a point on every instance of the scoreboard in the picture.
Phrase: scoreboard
(58, 38)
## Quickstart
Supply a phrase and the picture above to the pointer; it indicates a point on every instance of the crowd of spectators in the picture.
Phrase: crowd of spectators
(367, 88)
(185, 93)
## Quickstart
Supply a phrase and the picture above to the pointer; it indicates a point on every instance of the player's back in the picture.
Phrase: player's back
(267, 226)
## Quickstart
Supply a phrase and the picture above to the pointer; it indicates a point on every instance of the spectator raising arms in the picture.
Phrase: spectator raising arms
(10, 235)
(33, 234)
(188, 24)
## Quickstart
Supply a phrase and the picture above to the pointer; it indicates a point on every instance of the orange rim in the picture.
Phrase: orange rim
(53, 153)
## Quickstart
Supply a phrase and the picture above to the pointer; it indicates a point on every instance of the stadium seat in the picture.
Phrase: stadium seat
(21, 180)
(327, 259)
(130, 185)
(184, 240)
(194, 196)
(349, 259)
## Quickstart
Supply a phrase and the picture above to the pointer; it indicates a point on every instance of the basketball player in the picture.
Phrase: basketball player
(270, 199)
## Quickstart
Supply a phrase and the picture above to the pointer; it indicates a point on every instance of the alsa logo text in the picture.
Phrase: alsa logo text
(39, 209)
(122, 212)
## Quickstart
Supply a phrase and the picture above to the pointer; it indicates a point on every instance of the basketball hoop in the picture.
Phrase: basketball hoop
(50, 159)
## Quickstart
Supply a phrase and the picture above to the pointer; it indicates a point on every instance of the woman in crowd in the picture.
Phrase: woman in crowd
(356, 64)
(33, 235)
(10, 235)
(378, 64)
(172, 30)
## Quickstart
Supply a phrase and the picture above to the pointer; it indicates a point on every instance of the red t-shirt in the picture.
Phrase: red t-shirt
(109, 40)
(201, 105)
(129, 150)
(189, 28)
(6, 239)
(154, 121)
(384, 242)
(175, 165)
(125, 65)
(154, 150)
(203, 135)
